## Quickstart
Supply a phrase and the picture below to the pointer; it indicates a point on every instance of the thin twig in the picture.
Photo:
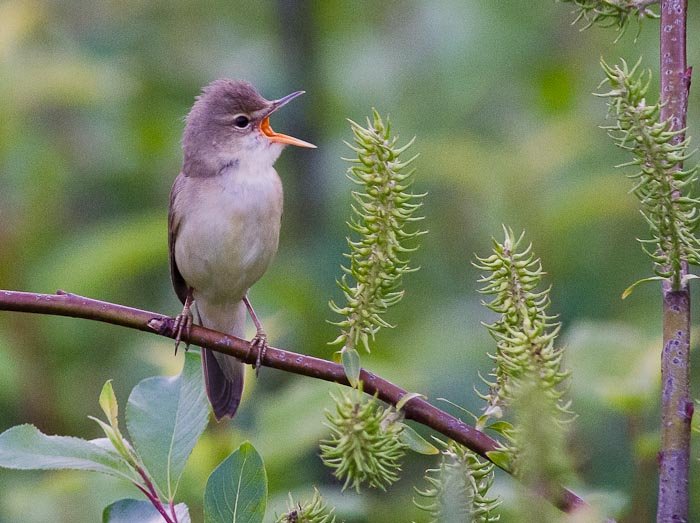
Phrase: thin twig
(172, 511)
(155, 501)
(676, 406)
(152, 494)
(416, 409)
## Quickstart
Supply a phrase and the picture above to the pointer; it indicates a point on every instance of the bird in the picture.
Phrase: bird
(224, 222)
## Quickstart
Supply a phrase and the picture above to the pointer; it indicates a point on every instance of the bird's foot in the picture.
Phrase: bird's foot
(260, 344)
(183, 324)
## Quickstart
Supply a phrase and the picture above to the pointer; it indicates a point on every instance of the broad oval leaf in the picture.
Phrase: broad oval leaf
(165, 417)
(237, 489)
(24, 447)
(137, 510)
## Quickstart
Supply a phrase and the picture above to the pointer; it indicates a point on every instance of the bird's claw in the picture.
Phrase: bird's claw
(260, 344)
(183, 323)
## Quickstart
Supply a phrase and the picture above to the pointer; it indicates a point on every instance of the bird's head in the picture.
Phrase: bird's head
(230, 122)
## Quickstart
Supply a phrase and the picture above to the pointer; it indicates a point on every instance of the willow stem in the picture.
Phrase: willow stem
(676, 405)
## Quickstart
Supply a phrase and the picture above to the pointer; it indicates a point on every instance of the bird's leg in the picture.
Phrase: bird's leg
(183, 321)
(259, 341)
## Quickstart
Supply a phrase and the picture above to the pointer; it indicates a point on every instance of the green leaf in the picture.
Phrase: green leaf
(115, 441)
(236, 491)
(136, 510)
(500, 458)
(416, 442)
(165, 417)
(501, 427)
(24, 447)
(108, 403)
(351, 364)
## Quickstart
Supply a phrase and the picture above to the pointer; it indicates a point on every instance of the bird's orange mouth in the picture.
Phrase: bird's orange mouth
(266, 129)
(279, 137)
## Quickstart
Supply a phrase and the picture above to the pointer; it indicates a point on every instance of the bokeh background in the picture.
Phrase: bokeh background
(92, 100)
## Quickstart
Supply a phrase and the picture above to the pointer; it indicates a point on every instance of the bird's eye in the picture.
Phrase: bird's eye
(241, 121)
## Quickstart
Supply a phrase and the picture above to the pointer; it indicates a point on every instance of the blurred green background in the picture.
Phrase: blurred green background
(92, 100)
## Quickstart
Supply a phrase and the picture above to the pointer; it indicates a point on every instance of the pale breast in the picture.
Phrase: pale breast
(229, 231)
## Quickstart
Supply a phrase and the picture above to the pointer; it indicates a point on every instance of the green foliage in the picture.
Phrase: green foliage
(236, 491)
(165, 417)
(135, 510)
(110, 407)
(364, 445)
(457, 490)
(25, 448)
(90, 138)
(384, 208)
(613, 13)
(312, 511)
(524, 332)
(662, 186)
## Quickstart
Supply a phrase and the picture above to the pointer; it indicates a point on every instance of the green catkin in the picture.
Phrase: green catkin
(663, 188)
(383, 210)
(458, 489)
(524, 332)
(364, 445)
(612, 13)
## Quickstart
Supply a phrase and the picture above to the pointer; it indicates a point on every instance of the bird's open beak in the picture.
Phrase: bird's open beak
(278, 137)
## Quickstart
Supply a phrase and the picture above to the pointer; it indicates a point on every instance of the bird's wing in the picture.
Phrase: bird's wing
(179, 283)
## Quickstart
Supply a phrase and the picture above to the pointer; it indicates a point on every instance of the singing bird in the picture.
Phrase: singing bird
(224, 221)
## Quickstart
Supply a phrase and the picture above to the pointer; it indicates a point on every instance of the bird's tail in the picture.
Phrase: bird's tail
(223, 375)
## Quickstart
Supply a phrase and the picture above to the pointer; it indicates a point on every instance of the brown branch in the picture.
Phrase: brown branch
(676, 405)
(416, 409)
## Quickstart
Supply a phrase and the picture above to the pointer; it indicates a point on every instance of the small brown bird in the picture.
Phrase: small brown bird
(224, 221)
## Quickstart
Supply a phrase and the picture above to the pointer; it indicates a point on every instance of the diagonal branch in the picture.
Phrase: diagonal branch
(416, 409)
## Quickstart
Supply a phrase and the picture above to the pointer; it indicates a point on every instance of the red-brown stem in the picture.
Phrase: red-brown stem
(150, 491)
(676, 406)
(155, 501)
(416, 409)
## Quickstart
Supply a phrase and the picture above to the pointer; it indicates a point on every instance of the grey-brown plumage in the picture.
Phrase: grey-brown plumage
(224, 219)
